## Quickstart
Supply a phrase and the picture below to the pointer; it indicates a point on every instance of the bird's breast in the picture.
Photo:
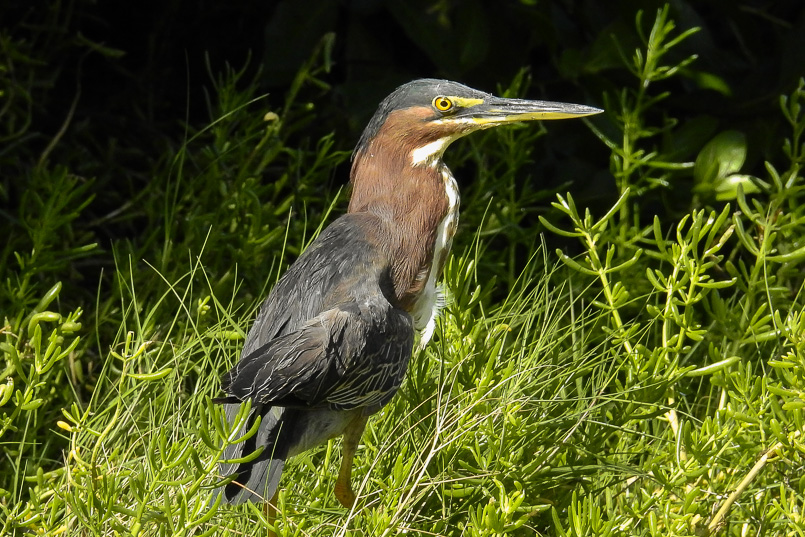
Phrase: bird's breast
(426, 307)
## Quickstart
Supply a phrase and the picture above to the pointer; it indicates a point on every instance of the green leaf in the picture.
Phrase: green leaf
(723, 155)
(711, 81)
(726, 188)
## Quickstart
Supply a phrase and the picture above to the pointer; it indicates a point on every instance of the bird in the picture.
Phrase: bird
(331, 343)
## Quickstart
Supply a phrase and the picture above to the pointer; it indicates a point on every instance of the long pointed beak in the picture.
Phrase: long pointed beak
(497, 111)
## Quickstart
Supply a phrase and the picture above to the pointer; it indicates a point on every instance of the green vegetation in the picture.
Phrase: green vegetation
(645, 379)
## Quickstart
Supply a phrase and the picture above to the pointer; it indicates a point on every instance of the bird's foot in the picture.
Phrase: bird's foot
(270, 512)
(344, 494)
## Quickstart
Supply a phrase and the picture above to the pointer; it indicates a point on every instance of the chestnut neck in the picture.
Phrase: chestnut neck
(410, 201)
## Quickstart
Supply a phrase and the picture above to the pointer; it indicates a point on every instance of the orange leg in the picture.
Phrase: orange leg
(352, 436)
(270, 510)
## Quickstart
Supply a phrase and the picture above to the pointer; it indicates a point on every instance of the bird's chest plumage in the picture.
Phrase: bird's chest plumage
(427, 303)
(416, 200)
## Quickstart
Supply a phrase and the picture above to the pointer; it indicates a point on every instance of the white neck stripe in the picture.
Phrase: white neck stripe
(429, 153)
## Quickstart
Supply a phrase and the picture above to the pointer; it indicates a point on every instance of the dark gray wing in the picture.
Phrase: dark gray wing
(346, 253)
(353, 355)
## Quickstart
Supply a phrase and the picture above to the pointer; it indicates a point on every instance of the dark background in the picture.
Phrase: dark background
(142, 67)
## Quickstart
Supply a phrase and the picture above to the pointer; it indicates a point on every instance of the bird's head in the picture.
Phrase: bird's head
(421, 118)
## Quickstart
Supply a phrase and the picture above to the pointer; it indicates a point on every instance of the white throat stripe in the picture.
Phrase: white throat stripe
(430, 152)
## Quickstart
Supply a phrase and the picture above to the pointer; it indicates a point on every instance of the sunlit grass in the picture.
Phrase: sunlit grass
(477, 407)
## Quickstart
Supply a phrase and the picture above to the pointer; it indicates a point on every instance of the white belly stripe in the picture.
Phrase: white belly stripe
(427, 307)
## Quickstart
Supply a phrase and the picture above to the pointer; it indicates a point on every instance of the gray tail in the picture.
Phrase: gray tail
(258, 479)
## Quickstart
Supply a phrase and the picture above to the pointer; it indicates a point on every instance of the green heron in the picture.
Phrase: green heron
(332, 341)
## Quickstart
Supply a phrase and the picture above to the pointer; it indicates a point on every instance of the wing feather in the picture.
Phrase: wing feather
(353, 355)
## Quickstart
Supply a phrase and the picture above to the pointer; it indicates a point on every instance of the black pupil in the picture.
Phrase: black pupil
(444, 103)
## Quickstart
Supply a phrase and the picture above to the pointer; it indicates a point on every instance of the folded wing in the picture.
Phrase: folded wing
(352, 355)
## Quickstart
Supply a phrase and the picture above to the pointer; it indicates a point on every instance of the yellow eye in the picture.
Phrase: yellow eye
(442, 104)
